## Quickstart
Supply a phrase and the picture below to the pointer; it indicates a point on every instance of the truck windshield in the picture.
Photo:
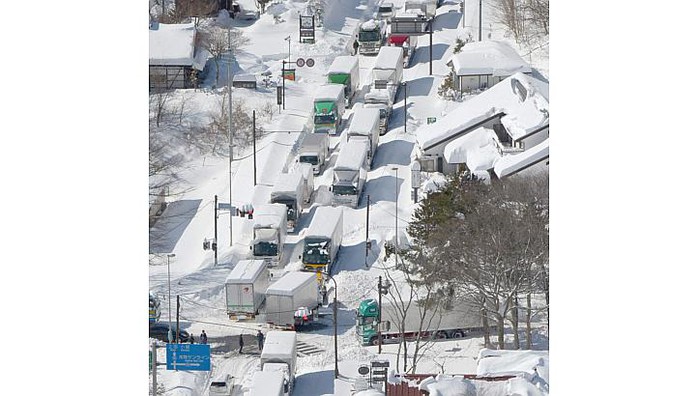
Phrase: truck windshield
(309, 159)
(344, 190)
(369, 36)
(385, 9)
(316, 253)
(290, 208)
(366, 320)
(265, 249)
(322, 119)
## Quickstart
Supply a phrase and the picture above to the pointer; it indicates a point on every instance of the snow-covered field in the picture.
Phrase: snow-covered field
(80, 326)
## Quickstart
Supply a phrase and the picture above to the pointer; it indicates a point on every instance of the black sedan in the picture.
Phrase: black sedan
(159, 332)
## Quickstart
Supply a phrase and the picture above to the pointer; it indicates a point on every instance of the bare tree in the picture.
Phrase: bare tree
(219, 41)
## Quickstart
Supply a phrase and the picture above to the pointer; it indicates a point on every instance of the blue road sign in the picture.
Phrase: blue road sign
(194, 357)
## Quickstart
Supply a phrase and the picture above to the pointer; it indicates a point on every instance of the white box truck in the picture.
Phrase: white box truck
(315, 150)
(424, 7)
(323, 239)
(269, 232)
(349, 174)
(345, 70)
(366, 124)
(289, 190)
(294, 292)
(381, 99)
(306, 170)
(267, 383)
(387, 71)
(328, 107)
(279, 355)
(245, 287)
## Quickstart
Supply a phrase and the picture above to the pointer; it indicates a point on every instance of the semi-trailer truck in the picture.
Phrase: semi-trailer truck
(292, 301)
(289, 190)
(323, 239)
(245, 287)
(269, 232)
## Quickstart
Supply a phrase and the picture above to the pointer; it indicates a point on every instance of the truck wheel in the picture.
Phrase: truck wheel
(441, 335)
(457, 334)
(374, 341)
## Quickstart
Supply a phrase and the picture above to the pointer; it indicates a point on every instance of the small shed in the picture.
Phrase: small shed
(481, 65)
(174, 60)
(245, 81)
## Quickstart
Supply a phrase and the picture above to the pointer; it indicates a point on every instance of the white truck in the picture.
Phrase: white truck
(245, 287)
(306, 171)
(323, 239)
(269, 233)
(372, 35)
(267, 383)
(328, 107)
(425, 7)
(279, 356)
(289, 190)
(345, 70)
(381, 99)
(366, 124)
(292, 301)
(387, 71)
(315, 150)
(349, 174)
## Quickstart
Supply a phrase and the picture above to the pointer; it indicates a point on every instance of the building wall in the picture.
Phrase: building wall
(170, 77)
(535, 139)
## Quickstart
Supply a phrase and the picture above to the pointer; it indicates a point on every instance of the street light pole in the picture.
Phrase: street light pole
(288, 38)
(404, 88)
(397, 194)
(230, 140)
(169, 300)
(334, 314)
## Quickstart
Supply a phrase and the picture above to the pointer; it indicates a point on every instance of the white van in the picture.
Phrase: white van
(222, 385)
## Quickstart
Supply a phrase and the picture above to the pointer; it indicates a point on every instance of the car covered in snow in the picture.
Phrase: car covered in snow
(221, 385)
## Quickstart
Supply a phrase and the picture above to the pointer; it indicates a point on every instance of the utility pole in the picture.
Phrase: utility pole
(177, 338)
(404, 84)
(462, 5)
(431, 38)
(214, 245)
(254, 144)
(380, 310)
(479, 34)
(230, 140)
(169, 300)
(368, 242)
(397, 195)
(283, 84)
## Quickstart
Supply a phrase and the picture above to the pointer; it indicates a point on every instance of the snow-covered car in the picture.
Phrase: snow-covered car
(386, 11)
(221, 385)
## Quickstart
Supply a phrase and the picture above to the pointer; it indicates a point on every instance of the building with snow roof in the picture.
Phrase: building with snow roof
(482, 64)
(175, 59)
(504, 121)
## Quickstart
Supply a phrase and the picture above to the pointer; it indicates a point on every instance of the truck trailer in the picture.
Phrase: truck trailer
(462, 320)
(366, 124)
(269, 233)
(245, 287)
(323, 239)
(349, 174)
(292, 301)
(315, 150)
(328, 108)
(381, 99)
(267, 383)
(279, 355)
(345, 70)
(289, 190)
(387, 71)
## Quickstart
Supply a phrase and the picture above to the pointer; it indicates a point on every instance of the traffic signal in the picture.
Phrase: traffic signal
(207, 244)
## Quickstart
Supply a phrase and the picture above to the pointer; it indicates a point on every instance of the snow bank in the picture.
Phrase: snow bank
(494, 58)
(444, 385)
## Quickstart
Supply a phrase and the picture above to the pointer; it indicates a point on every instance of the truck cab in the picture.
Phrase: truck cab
(367, 322)
(371, 37)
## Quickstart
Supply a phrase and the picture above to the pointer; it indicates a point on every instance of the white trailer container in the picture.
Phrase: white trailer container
(293, 292)
(269, 232)
(267, 383)
(306, 171)
(329, 107)
(323, 239)
(289, 190)
(280, 348)
(349, 174)
(245, 287)
(345, 70)
(315, 150)
(425, 7)
(387, 71)
(381, 99)
(366, 124)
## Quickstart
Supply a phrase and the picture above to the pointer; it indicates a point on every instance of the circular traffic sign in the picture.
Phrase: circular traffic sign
(310, 62)
(300, 62)
(363, 370)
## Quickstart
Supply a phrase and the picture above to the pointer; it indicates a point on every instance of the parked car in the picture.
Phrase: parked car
(222, 385)
(159, 332)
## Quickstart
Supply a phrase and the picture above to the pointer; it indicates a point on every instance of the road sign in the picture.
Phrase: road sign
(310, 62)
(193, 357)
(300, 62)
(416, 169)
(431, 120)
(363, 370)
(290, 74)
(279, 94)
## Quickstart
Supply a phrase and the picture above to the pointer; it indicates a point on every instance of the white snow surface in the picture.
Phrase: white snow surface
(494, 58)
(509, 164)
(329, 92)
(352, 155)
(477, 150)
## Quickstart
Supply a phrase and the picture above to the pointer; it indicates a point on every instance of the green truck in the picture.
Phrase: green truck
(345, 70)
(459, 322)
(329, 106)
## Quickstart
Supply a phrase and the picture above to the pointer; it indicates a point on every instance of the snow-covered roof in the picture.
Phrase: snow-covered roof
(287, 183)
(369, 25)
(352, 155)
(522, 99)
(364, 121)
(510, 164)
(343, 64)
(478, 150)
(245, 77)
(266, 382)
(388, 58)
(290, 282)
(246, 271)
(174, 45)
(446, 385)
(324, 221)
(269, 215)
(494, 58)
(492, 362)
(329, 92)
(278, 344)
